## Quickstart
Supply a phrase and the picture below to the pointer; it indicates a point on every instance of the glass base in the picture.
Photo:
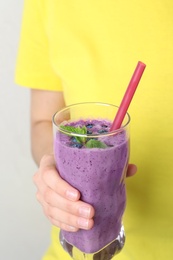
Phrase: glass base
(105, 253)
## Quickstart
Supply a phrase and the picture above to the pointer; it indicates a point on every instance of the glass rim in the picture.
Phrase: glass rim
(90, 135)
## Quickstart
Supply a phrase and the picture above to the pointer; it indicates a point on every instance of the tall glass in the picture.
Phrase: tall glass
(94, 161)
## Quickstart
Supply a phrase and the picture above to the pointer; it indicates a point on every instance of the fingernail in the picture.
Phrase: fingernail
(84, 211)
(133, 169)
(72, 195)
(83, 223)
(72, 228)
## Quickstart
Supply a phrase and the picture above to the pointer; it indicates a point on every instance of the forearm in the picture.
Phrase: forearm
(43, 105)
(41, 140)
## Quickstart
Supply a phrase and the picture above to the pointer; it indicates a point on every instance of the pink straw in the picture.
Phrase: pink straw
(128, 96)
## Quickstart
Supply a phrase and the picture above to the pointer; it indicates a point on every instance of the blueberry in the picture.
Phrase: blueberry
(73, 139)
(105, 126)
(76, 145)
(102, 131)
(89, 125)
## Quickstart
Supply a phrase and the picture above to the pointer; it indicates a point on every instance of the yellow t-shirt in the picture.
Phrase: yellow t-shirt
(89, 49)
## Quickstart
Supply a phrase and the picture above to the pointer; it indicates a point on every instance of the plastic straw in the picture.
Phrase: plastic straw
(128, 96)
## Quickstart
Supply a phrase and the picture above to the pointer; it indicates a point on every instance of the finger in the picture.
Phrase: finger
(65, 220)
(61, 218)
(132, 169)
(52, 178)
(77, 214)
(63, 226)
(78, 208)
(54, 221)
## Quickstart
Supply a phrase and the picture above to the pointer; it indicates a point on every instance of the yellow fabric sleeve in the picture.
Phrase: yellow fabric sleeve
(33, 68)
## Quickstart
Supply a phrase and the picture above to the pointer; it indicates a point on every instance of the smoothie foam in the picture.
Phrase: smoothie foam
(98, 173)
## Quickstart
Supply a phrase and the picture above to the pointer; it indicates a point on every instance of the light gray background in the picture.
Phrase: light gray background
(24, 231)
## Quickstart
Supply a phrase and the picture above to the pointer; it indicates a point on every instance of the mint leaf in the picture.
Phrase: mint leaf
(76, 130)
(92, 143)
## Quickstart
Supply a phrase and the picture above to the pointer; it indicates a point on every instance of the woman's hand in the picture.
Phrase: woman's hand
(61, 202)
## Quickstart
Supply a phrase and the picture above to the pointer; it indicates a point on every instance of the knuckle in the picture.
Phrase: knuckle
(48, 211)
(44, 159)
(44, 172)
(70, 220)
(56, 223)
(47, 174)
(69, 207)
(48, 195)
(51, 212)
(69, 228)
(47, 160)
(72, 207)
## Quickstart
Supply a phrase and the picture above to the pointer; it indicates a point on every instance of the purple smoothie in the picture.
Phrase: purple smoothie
(98, 173)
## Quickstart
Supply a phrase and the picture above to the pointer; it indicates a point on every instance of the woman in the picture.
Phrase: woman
(76, 51)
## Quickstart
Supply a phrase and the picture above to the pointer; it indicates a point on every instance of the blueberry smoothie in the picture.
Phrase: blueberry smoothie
(95, 165)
